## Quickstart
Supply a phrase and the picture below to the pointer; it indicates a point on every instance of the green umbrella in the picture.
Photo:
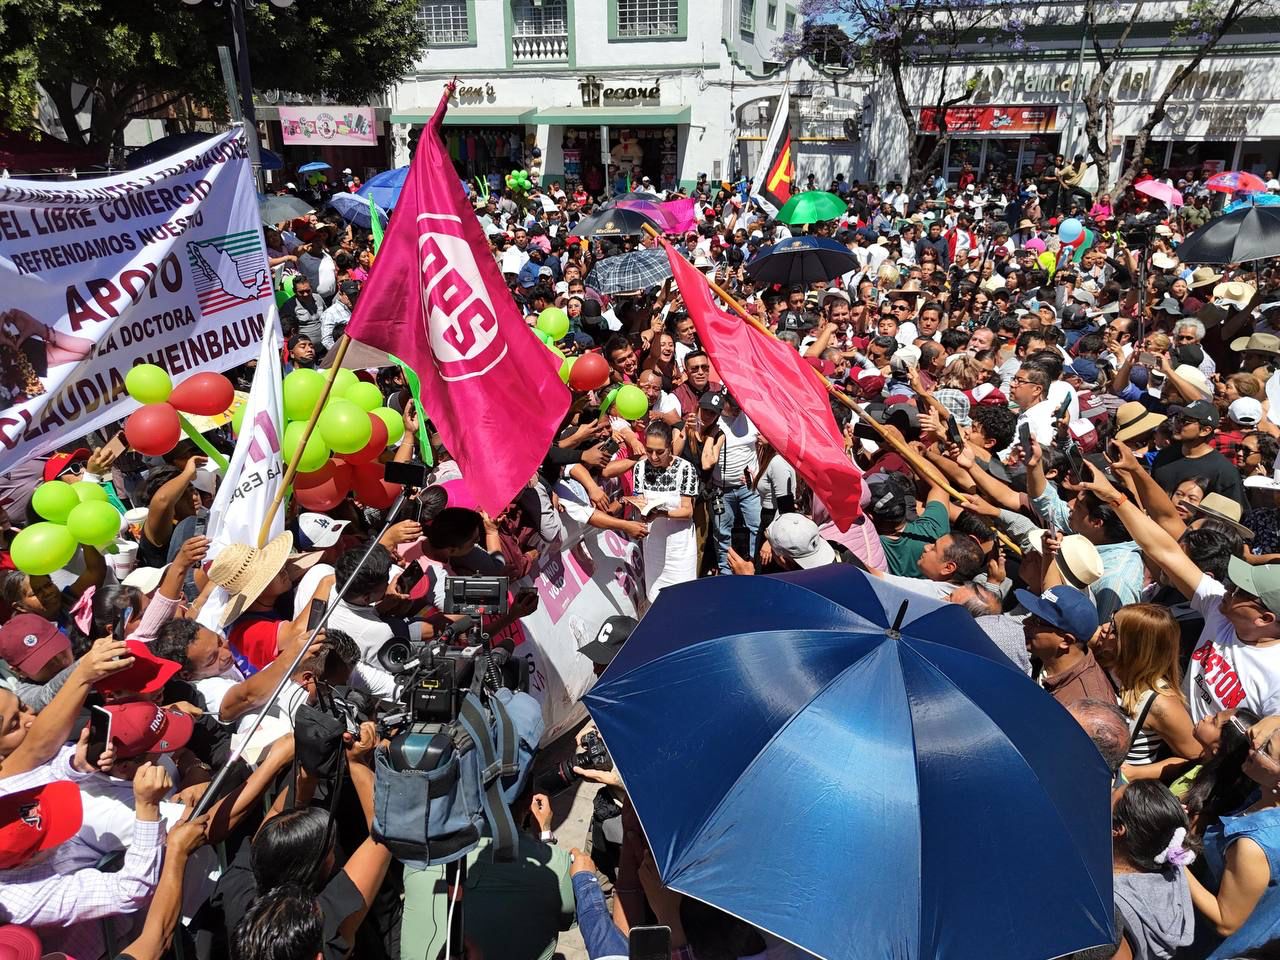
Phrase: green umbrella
(812, 206)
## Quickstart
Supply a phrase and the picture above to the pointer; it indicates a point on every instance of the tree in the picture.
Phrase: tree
(891, 38)
(1197, 30)
(137, 58)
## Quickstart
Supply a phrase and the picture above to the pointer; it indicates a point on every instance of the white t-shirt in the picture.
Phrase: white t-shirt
(1225, 672)
(738, 453)
(1040, 419)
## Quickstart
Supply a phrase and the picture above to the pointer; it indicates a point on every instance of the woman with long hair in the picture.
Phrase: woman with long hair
(1187, 495)
(1139, 650)
(1219, 784)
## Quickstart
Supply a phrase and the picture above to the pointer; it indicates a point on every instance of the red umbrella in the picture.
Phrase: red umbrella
(1159, 191)
(1236, 181)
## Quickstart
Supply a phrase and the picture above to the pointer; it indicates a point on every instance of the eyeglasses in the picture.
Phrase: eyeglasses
(1024, 382)
(699, 368)
(1187, 338)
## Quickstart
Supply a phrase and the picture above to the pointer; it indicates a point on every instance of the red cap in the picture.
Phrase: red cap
(824, 367)
(28, 642)
(142, 727)
(19, 943)
(60, 461)
(147, 674)
(37, 819)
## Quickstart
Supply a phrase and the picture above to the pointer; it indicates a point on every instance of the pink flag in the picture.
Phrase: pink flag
(778, 391)
(436, 300)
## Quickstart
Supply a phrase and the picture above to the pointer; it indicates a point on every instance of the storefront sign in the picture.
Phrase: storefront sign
(992, 119)
(1030, 82)
(478, 94)
(328, 126)
(596, 94)
(1228, 119)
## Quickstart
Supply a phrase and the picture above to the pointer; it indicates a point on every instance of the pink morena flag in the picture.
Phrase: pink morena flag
(778, 392)
(436, 300)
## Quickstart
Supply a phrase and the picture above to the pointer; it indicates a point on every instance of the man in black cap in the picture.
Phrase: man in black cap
(1193, 455)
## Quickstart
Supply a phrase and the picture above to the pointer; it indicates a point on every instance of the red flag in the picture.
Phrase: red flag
(778, 391)
(436, 300)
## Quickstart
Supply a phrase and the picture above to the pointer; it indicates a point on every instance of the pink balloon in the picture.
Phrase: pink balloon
(205, 394)
(153, 429)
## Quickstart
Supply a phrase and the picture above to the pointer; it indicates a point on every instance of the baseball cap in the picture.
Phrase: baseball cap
(143, 727)
(316, 531)
(1068, 609)
(1246, 411)
(1201, 411)
(145, 579)
(712, 400)
(1084, 368)
(609, 639)
(147, 674)
(1261, 581)
(795, 537)
(59, 462)
(545, 272)
(28, 642)
(38, 819)
(834, 294)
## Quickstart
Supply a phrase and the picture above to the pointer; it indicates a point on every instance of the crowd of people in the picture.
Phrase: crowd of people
(1076, 444)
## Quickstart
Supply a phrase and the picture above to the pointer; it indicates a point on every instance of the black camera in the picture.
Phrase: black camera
(594, 756)
(1136, 230)
(476, 596)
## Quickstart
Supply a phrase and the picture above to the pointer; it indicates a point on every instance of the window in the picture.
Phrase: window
(790, 22)
(445, 21)
(539, 31)
(773, 16)
(648, 18)
(747, 17)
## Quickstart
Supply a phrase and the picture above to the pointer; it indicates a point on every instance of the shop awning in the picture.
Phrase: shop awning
(471, 116)
(613, 116)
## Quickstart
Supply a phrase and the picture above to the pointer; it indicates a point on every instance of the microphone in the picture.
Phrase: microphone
(451, 632)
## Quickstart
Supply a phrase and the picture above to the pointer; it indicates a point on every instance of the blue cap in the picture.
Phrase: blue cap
(1085, 369)
(868, 233)
(1064, 607)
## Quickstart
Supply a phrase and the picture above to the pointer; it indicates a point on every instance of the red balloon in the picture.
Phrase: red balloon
(205, 394)
(589, 372)
(325, 488)
(153, 429)
(371, 489)
(376, 445)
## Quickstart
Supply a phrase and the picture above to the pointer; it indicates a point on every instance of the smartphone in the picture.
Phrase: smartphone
(122, 622)
(953, 432)
(316, 614)
(115, 446)
(1062, 409)
(649, 943)
(1075, 462)
(409, 579)
(99, 733)
(411, 473)
(922, 404)
(1024, 438)
(610, 446)
(1113, 451)
(1148, 359)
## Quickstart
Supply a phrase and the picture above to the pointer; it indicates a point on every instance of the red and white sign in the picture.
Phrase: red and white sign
(992, 119)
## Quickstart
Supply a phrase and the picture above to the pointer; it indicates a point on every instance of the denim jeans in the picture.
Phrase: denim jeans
(738, 502)
(599, 935)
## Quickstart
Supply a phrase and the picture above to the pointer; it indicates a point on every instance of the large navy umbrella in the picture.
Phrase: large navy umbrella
(801, 260)
(862, 778)
(385, 187)
(176, 142)
(1246, 234)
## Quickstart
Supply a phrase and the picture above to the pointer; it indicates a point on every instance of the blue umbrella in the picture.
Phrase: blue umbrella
(858, 770)
(313, 166)
(385, 187)
(801, 260)
(1253, 200)
(355, 210)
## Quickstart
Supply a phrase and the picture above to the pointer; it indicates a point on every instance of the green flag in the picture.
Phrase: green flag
(415, 390)
(375, 224)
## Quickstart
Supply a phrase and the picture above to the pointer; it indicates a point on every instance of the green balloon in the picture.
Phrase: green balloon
(345, 426)
(314, 454)
(43, 548)
(365, 395)
(95, 524)
(566, 367)
(394, 422)
(302, 390)
(543, 336)
(343, 382)
(90, 492)
(148, 383)
(630, 402)
(556, 351)
(54, 500)
(554, 322)
(237, 418)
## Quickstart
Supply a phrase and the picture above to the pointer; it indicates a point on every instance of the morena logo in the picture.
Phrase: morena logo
(460, 323)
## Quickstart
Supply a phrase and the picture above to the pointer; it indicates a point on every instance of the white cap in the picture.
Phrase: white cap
(703, 263)
(795, 537)
(145, 579)
(206, 478)
(320, 530)
(1245, 411)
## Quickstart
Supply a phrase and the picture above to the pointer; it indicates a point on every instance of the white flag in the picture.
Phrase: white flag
(256, 468)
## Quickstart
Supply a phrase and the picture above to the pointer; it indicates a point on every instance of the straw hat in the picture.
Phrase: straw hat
(246, 571)
(1234, 292)
(1203, 277)
(1257, 343)
(1162, 261)
(1026, 224)
(1133, 420)
(1225, 510)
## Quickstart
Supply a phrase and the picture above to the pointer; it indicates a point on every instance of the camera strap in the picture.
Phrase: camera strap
(494, 762)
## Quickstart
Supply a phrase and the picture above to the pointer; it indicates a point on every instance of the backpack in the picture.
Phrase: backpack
(472, 770)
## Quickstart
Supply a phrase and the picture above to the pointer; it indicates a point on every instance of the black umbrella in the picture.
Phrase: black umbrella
(1252, 233)
(278, 209)
(615, 222)
(801, 260)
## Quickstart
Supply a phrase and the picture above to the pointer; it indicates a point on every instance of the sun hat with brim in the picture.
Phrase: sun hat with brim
(1234, 292)
(796, 538)
(145, 579)
(1162, 261)
(1203, 277)
(1196, 378)
(1025, 224)
(1257, 343)
(244, 572)
(56, 464)
(834, 294)
(1262, 581)
(19, 943)
(1066, 608)
(1077, 559)
(1133, 420)
(38, 819)
(1225, 510)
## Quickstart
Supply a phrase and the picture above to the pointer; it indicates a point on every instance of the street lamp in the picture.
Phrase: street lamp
(240, 49)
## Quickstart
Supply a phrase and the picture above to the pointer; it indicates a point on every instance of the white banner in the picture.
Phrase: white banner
(164, 265)
(254, 473)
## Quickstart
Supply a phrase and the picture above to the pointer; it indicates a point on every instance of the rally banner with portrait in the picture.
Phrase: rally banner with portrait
(165, 265)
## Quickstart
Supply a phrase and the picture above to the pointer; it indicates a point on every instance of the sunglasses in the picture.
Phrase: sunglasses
(700, 368)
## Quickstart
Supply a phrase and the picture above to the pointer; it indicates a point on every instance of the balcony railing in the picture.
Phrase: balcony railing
(540, 48)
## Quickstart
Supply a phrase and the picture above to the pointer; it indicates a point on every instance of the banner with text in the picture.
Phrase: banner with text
(992, 119)
(328, 126)
(165, 264)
